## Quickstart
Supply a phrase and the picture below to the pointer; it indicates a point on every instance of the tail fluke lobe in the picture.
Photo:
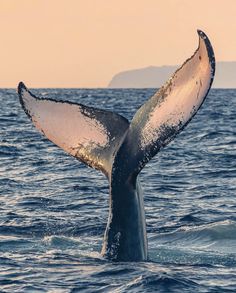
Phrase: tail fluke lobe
(165, 114)
(89, 134)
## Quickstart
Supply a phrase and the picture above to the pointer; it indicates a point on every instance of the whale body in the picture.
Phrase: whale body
(108, 142)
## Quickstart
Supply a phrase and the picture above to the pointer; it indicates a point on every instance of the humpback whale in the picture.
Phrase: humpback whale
(108, 142)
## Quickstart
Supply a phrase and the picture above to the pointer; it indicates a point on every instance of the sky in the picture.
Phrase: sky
(84, 43)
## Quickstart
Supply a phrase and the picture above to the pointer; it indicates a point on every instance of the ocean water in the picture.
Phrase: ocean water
(54, 209)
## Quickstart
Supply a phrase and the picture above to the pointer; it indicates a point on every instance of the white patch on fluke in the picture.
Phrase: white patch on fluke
(180, 98)
(65, 124)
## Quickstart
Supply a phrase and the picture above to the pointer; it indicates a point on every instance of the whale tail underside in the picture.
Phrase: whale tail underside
(103, 139)
(166, 113)
(91, 135)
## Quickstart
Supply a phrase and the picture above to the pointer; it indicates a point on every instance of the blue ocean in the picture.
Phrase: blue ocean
(54, 209)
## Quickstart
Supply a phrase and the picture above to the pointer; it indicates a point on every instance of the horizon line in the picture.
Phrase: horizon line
(94, 88)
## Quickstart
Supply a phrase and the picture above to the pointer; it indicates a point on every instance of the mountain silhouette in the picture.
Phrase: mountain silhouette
(154, 76)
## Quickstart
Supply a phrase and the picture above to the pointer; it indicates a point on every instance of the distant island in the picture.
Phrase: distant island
(154, 77)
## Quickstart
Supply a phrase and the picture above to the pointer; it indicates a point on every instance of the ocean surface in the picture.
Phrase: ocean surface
(54, 209)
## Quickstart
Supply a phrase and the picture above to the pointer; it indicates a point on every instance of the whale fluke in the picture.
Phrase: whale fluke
(91, 135)
(106, 141)
(171, 108)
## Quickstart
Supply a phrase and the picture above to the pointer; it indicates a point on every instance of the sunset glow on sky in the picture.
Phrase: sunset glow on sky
(78, 43)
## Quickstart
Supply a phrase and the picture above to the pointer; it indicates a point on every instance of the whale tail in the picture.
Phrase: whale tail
(106, 141)
(103, 139)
